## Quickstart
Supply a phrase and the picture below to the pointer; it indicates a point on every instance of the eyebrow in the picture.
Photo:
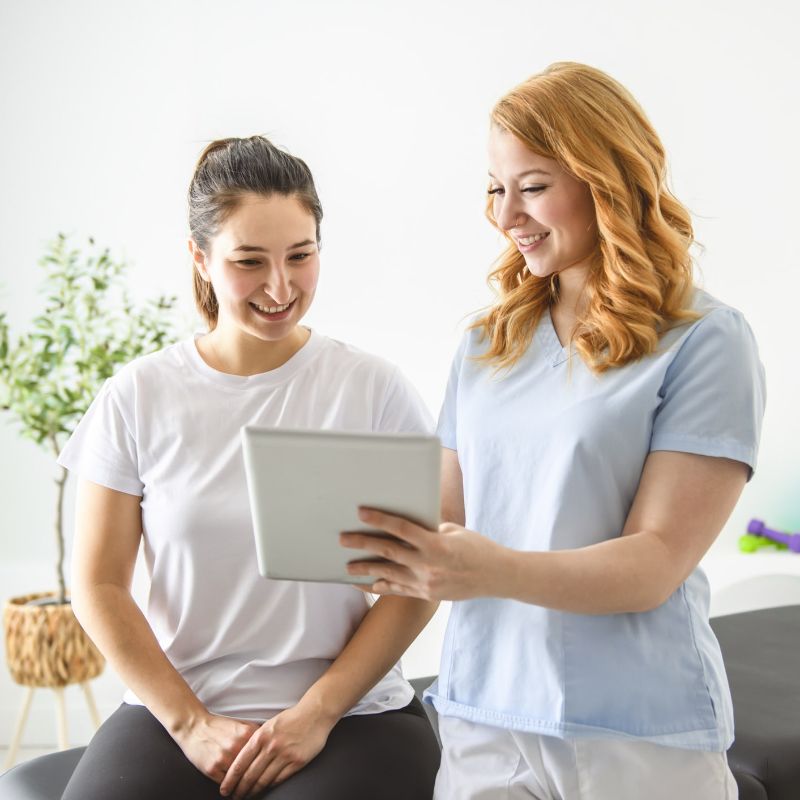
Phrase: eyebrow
(254, 248)
(527, 172)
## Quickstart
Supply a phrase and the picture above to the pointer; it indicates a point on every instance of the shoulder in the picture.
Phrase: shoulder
(716, 323)
(363, 380)
(150, 368)
(342, 357)
(709, 307)
(720, 320)
(719, 346)
(473, 340)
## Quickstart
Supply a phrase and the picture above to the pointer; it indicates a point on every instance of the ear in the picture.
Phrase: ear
(198, 259)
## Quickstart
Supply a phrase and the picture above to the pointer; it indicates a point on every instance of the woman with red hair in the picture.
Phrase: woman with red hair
(600, 422)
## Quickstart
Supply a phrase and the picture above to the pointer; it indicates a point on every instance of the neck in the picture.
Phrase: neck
(571, 284)
(566, 309)
(237, 353)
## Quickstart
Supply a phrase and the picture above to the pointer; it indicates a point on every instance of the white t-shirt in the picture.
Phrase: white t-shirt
(166, 428)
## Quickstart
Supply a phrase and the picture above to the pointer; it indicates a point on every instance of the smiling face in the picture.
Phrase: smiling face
(547, 212)
(263, 265)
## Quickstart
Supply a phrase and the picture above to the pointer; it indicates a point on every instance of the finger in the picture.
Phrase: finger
(401, 527)
(380, 546)
(394, 573)
(235, 772)
(267, 777)
(379, 536)
(249, 781)
(285, 773)
(387, 588)
(263, 774)
(236, 777)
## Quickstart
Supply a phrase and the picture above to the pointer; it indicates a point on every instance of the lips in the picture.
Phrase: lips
(272, 309)
(276, 313)
(533, 238)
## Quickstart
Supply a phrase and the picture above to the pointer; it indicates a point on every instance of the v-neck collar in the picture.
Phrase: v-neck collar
(556, 353)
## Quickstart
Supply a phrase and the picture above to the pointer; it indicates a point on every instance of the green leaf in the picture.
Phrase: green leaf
(88, 328)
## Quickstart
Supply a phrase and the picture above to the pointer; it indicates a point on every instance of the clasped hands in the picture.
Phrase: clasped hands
(245, 757)
(452, 563)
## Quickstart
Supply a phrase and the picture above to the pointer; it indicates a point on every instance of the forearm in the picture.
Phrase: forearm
(119, 629)
(627, 574)
(384, 634)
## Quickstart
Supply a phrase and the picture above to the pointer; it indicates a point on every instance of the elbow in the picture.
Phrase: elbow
(80, 589)
(432, 607)
(663, 575)
(422, 609)
(426, 608)
(79, 599)
(87, 599)
(636, 598)
(656, 597)
(648, 604)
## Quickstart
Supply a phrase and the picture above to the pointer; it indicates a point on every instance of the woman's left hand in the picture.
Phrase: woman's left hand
(452, 563)
(282, 746)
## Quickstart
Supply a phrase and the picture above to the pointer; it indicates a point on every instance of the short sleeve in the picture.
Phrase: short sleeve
(102, 448)
(446, 427)
(714, 392)
(404, 411)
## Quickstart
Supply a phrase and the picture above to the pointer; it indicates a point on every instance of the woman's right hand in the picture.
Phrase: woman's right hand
(212, 742)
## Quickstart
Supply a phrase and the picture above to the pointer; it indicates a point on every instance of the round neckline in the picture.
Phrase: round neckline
(271, 377)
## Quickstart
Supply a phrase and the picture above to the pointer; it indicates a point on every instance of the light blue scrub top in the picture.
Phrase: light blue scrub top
(551, 456)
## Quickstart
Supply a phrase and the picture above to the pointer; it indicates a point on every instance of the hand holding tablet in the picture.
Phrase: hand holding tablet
(306, 487)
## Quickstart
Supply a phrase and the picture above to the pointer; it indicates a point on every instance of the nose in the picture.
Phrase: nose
(508, 212)
(277, 285)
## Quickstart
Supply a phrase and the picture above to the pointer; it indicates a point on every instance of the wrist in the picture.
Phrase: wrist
(181, 721)
(499, 576)
(321, 707)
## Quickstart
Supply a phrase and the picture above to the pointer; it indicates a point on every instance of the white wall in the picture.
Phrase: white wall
(105, 106)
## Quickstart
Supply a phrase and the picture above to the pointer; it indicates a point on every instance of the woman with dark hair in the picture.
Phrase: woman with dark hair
(600, 422)
(239, 685)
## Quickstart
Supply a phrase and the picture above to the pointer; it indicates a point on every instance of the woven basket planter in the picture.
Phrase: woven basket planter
(45, 644)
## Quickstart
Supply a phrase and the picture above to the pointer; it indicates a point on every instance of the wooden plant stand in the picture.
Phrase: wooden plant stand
(46, 648)
(61, 719)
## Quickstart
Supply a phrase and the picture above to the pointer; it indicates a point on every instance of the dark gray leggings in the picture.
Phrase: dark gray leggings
(391, 756)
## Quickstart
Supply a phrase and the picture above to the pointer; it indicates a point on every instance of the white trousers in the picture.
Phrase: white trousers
(480, 762)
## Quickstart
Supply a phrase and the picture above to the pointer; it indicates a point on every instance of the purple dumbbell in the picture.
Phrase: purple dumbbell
(757, 527)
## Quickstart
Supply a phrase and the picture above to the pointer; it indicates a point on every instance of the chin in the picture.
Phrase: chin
(539, 270)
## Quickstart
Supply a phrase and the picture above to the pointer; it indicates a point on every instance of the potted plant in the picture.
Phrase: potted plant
(48, 378)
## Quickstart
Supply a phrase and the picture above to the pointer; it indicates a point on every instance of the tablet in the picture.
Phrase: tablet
(305, 488)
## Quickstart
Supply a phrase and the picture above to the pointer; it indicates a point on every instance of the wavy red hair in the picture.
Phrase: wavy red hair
(641, 281)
